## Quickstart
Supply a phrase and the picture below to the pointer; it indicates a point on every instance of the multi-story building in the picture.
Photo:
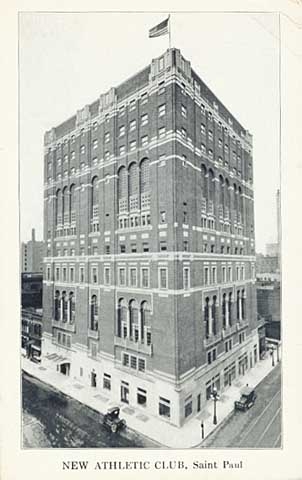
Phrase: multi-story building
(32, 255)
(149, 291)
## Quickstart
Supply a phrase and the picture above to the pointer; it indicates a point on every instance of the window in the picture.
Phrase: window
(145, 277)
(212, 248)
(94, 275)
(132, 105)
(145, 247)
(95, 144)
(144, 119)
(161, 63)
(132, 125)
(122, 149)
(144, 98)
(164, 407)
(107, 137)
(186, 278)
(122, 277)
(203, 148)
(71, 274)
(184, 111)
(107, 381)
(125, 360)
(107, 155)
(141, 365)
(123, 248)
(133, 248)
(185, 218)
(82, 275)
(133, 145)
(210, 135)
(144, 140)
(57, 274)
(107, 275)
(141, 397)
(210, 153)
(203, 129)
(82, 149)
(184, 133)
(185, 246)
(133, 277)
(188, 406)
(206, 276)
(163, 278)
(161, 88)
(95, 126)
(122, 130)
(162, 132)
(214, 275)
(163, 246)
(230, 274)
(161, 110)
(162, 217)
(121, 110)
(223, 274)
(133, 362)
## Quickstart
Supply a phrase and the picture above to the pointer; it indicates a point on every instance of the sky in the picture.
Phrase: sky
(67, 60)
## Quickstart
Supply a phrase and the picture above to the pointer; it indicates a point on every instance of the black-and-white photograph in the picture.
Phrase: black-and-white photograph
(150, 230)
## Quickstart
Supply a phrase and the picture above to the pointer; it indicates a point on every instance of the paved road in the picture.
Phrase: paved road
(259, 427)
(53, 420)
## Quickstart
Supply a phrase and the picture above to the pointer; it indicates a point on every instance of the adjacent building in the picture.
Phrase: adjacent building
(149, 290)
(32, 255)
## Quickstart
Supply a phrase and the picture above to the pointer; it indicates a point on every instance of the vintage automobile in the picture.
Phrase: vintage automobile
(112, 421)
(247, 399)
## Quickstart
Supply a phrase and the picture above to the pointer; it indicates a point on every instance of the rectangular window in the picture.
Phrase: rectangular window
(94, 275)
(214, 275)
(82, 275)
(125, 360)
(164, 407)
(122, 130)
(141, 364)
(161, 88)
(133, 145)
(133, 362)
(206, 276)
(163, 246)
(184, 111)
(223, 274)
(57, 274)
(162, 217)
(133, 277)
(145, 247)
(162, 132)
(107, 249)
(123, 248)
(122, 277)
(145, 277)
(141, 397)
(188, 406)
(132, 125)
(95, 144)
(107, 275)
(107, 381)
(107, 137)
(230, 274)
(186, 278)
(121, 110)
(71, 274)
(64, 274)
(48, 273)
(237, 273)
(144, 98)
(163, 278)
(184, 133)
(144, 140)
(144, 119)
(185, 246)
(122, 149)
(161, 110)
(161, 64)
(132, 105)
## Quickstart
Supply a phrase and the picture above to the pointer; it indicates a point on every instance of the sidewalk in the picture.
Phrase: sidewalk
(188, 436)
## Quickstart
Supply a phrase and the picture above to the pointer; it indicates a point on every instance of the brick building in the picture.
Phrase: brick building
(32, 255)
(149, 291)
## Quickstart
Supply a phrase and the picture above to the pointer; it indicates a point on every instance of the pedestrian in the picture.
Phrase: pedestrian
(202, 430)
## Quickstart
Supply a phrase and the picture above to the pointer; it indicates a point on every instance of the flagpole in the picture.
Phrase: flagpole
(169, 31)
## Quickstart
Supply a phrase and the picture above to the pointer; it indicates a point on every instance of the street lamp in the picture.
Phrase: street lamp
(215, 397)
(272, 349)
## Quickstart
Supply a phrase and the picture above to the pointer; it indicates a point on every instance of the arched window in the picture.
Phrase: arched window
(224, 310)
(122, 318)
(64, 306)
(227, 193)
(58, 207)
(145, 176)
(72, 204)
(214, 315)
(230, 304)
(221, 190)
(235, 199)
(207, 316)
(238, 305)
(65, 205)
(94, 313)
(94, 197)
(57, 306)
(133, 319)
(204, 186)
(211, 186)
(133, 179)
(71, 308)
(243, 304)
(145, 313)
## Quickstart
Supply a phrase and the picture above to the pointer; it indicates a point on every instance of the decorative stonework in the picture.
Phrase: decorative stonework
(83, 115)
(49, 136)
(107, 100)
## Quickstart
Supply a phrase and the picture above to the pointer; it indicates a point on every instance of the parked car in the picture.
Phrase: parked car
(112, 421)
(247, 399)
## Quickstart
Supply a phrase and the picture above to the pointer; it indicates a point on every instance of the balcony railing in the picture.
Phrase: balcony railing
(132, 345)
(69, 327)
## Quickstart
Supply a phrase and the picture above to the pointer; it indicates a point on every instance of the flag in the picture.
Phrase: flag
(160, 29)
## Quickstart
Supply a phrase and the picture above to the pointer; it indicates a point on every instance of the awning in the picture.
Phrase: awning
(53, 357)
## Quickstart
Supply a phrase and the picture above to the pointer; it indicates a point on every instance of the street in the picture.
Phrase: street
(53, 420)
(260, 426)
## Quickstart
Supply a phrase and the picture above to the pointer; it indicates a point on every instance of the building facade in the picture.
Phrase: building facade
(32, 255)
(149, 290)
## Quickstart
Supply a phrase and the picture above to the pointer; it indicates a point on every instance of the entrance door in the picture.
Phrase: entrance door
(93, 379)
(65, 368)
